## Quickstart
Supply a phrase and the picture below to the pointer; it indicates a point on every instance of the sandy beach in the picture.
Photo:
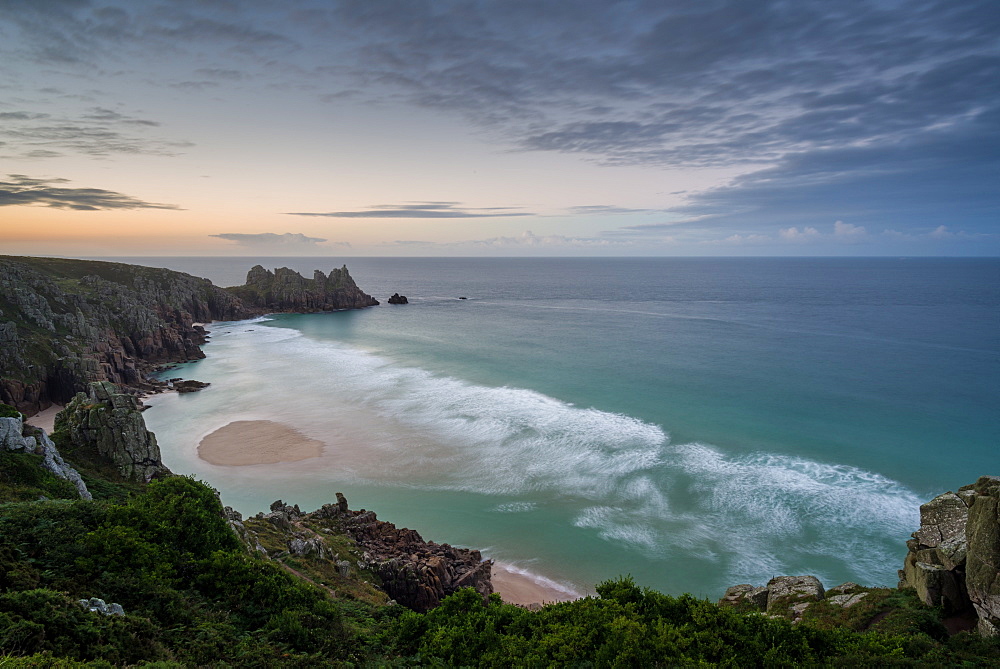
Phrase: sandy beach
(257, 442)
(45, 419)
(517, 586)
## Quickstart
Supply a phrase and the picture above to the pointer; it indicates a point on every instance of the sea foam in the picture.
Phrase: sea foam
(752, 515)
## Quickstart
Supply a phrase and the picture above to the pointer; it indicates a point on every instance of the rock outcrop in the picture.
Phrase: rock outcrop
(413, 572)
(15, 436)
(286, 290)
(109, 423)
(954, 558)
(398, 299)
(783, 596)
(953, 563)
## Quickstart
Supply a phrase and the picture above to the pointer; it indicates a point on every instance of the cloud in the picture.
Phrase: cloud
(419, 210)
(530, 239)
(288, 240)
(606, 209)
(849, 232)
(793, 234)
(96, 132)
(24, 190)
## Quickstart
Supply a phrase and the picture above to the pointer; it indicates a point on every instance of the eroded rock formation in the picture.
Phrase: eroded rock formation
(954, 558)
(287, 290)
(66, 323)
(109, 422)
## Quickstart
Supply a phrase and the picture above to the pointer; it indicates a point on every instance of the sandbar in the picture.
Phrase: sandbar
(516, 586)
(257, 442)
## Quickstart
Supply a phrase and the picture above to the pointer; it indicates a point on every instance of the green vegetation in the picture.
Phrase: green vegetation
(23, 479)
(195, 594)
(7, 411)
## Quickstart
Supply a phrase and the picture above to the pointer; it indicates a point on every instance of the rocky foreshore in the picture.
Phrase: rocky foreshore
(415, 573)
(953, 562)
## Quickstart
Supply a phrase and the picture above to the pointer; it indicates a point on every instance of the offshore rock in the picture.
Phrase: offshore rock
(286, 290)
(398, 299)
(110, 422)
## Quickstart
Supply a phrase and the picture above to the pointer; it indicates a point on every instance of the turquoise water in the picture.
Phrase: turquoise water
(693, 422)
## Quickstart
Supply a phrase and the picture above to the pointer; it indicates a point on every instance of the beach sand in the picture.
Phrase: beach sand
(257, 442)
(516, 586)
(45, 419)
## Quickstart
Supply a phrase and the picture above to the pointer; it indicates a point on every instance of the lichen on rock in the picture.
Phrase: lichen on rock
(110, 422)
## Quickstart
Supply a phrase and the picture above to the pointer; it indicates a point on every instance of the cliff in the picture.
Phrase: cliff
(287, 290)
(65, 323)
(954, 558)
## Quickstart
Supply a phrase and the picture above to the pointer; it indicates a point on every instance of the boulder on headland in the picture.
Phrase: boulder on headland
(398, 299)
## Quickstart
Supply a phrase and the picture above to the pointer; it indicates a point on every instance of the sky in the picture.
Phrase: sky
(499, 128)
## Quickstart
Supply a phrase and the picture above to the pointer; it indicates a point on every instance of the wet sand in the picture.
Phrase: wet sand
(45, 419)
(517, 587)
(257, 442)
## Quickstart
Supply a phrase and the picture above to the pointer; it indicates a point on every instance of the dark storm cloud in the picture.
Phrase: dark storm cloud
(819, 99)
(24, 190)
(418, 210)
(929, 180)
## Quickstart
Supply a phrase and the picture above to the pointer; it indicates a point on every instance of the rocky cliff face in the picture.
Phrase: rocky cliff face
(108, 422)
(413, 572)
(287, 290)
(65, 323)
(954, 558)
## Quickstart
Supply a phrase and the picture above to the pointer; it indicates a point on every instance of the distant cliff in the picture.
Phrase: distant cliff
(65, 323)
(287, 290)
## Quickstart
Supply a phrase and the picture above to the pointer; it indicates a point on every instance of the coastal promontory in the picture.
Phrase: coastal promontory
(287, 290)
(65, 323)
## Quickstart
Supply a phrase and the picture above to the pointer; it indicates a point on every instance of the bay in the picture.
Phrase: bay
(693, 422)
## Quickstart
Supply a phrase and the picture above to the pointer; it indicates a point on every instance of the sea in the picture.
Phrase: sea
(691, 422)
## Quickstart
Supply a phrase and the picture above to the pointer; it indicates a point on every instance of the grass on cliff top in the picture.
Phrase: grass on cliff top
(23, 479)
(7, 411)
(359, 585)
(71, 268)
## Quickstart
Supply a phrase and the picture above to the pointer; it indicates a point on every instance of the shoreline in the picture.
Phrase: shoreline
(258, 442)
(524, 588)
